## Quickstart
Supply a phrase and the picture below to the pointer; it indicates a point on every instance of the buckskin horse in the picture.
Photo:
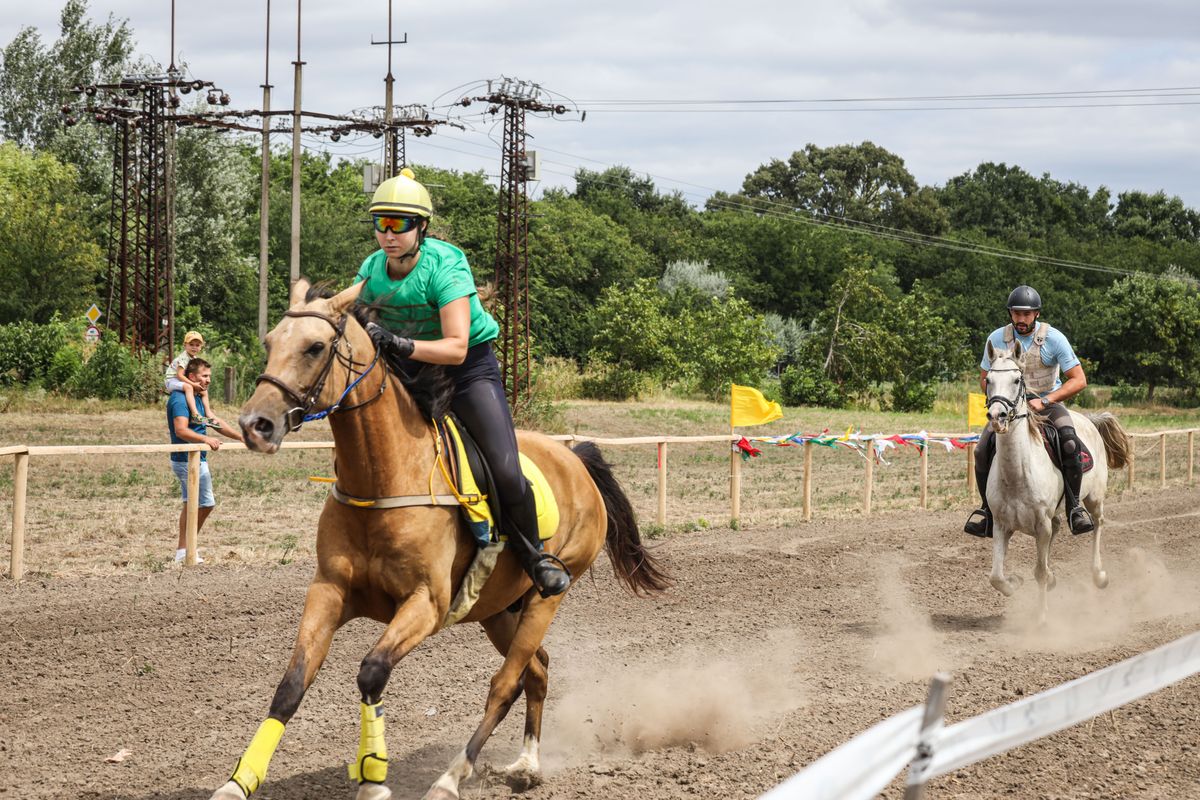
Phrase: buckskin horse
(1025, 488)
(402, 564)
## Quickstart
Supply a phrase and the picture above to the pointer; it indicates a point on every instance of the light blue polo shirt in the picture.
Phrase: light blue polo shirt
(1056, 348)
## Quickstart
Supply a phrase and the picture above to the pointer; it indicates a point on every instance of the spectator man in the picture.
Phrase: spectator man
(183, 431)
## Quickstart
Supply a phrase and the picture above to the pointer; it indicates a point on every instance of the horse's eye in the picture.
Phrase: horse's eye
(314, 349)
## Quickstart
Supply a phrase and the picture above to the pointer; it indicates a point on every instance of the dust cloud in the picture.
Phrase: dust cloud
(907, 647)
(712, 703)
(1082, 618)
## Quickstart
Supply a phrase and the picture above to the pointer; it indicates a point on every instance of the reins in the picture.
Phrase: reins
(302, 411)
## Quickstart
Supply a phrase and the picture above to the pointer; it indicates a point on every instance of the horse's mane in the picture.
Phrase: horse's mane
(429, 385)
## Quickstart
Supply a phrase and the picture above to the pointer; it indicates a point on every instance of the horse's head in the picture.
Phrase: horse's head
(310, 357)
(1005, 386)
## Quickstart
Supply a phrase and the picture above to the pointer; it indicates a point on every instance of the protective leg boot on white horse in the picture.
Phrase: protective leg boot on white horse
(1025, 490)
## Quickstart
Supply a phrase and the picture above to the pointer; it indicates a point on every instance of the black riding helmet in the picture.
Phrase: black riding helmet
(1024, 298)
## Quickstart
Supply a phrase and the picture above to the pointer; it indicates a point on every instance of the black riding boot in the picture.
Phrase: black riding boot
(1078, 517)
(980, 522)
(549, 575)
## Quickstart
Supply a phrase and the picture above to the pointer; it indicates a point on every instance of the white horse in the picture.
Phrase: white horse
(1025, 488)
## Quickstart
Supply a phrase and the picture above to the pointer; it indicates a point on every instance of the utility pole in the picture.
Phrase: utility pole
(296, 114)
(265, 189)
(517, 167)
(393, 143)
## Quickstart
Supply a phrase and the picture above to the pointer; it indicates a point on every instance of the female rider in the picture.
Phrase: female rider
(431, 314)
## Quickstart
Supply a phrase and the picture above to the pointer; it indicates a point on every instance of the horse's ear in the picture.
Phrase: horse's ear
(341, 301)
(1018, 353)
(991, 351)
(299, 292)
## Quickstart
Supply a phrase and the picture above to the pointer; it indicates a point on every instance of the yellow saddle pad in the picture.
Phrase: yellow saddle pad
(475, 502)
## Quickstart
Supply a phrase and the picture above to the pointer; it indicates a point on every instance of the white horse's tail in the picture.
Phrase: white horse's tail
(1117, 444)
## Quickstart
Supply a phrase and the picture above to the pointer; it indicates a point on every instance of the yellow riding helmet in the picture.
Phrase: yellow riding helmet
(402, 194)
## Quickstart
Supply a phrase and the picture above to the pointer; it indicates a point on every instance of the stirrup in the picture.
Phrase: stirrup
(979, 523)
(1080, 521)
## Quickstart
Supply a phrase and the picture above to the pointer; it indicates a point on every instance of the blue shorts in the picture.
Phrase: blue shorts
(206, 493)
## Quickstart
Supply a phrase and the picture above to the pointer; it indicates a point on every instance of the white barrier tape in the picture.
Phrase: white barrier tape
(862, 767)
(1050, 711)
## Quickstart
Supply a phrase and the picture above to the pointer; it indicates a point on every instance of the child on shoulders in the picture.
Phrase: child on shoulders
(176, 381)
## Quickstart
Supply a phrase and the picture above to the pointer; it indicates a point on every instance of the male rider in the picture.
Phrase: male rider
(1047, 351)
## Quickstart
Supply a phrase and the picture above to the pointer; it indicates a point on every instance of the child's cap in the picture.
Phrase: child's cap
(192, 336)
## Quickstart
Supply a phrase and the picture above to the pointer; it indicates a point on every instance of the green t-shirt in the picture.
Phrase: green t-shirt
(411, 306)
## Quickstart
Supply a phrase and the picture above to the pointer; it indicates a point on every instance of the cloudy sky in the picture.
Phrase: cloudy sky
(1131, 69)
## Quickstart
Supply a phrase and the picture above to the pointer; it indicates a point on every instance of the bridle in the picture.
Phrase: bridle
(1009, 403)
(305, 399)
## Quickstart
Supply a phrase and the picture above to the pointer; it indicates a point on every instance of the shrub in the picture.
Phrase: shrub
(908, 395)
(558, 378)
(64, 366)
(109, 374)
(809, 386)
(1127, 395)
(26, 350)
(602, 382)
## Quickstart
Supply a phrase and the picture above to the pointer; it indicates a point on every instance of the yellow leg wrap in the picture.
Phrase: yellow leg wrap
(371, 765)
(251, 769)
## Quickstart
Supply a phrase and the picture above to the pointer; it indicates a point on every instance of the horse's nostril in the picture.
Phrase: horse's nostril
(263, 427)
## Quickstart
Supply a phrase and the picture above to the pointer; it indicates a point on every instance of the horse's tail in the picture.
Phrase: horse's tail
(633, 564)
(1117, 444)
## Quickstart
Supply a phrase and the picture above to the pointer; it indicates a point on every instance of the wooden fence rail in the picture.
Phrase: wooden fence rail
(22, 453)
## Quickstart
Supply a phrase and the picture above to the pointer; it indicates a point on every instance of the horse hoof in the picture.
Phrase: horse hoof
(521, 778)
(230, 791)
(1100, 578)
(373, 791)
(1005, 586)
(1051, 582)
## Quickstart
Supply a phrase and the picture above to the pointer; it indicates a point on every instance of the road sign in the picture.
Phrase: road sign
(92, 334)
(93, 314)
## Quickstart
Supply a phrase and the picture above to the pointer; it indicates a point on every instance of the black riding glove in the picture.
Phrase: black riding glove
(389, 343)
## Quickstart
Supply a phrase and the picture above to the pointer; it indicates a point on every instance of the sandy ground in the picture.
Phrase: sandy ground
(777, 644)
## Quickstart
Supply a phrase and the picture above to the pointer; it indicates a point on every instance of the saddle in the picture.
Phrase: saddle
(469, 474)
(1054, 448)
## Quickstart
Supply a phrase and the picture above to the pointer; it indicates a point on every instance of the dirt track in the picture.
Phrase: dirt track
(776, 646)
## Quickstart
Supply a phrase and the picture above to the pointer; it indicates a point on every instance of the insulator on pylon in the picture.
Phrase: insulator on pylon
(100, 118)
(335, 136)
(77, 88)
(197, 85)
(90, 91)
(174, 101)
(224, 99)
(66, 109)
(378, 134)
(211, 99)
(466, 101)
(185, 89)
(493, 109)
(560, 109)
(131, 91)
(69, 121)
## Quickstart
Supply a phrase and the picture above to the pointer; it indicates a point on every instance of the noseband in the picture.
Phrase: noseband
(305, 399)
(1010, 404)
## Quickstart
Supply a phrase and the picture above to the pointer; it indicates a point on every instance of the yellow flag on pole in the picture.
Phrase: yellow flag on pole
(747, 406)
(976, 410)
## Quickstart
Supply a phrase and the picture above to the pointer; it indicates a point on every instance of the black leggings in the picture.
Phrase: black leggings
(480, 403)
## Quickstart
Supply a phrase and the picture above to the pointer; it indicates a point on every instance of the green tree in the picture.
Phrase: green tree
(1150, 324)
(49, 262)
(859, 183)
(1156, 217)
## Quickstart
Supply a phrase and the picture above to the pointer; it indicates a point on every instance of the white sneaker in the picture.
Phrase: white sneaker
(181, 554)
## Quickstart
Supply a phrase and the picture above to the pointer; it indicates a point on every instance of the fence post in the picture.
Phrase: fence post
(1191, 455)
(20, 490)
(869, 479)
(662, 483)
(735, 486)
(970, 470)
(1162, 461)
(193, 507)
(808, 451)
(925, 474)
(931, 723)
(230, 384)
